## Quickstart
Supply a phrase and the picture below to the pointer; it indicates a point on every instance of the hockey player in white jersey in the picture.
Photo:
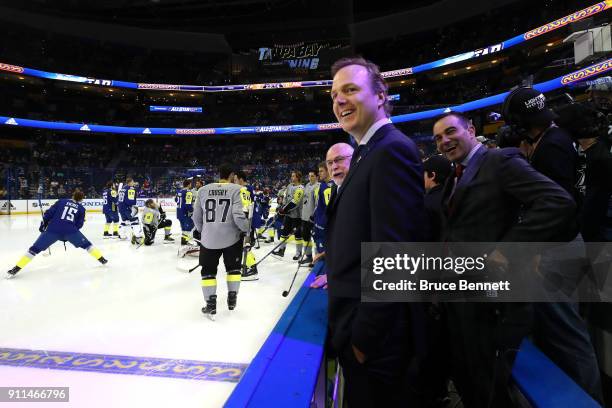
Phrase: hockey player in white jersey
(219, 218)
(154, 218)
(292, 210)
(308, 208)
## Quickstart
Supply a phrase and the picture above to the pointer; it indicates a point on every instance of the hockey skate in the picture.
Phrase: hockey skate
(11, 274)
(307, 261)
(107, 235)
(211, 307)
(279, 252)
(103, 260)
(251, 274)
(297, 257)
(115, 234)
(168, 239)
(232, 297)
(137, 241)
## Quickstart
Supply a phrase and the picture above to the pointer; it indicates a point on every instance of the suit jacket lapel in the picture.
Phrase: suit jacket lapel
(376, 137)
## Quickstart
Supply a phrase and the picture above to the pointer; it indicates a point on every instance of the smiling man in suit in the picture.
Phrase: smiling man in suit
(381, 199)
(494, 196)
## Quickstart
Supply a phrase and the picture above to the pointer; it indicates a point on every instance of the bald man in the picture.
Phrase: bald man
(338, 162)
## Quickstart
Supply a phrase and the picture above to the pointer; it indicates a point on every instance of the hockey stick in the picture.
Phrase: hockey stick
(268, 225)
(286, 292)
(246, 245)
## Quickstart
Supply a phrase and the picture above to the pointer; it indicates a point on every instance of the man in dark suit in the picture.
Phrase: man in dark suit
(437, 169)
(380, 200)
(483, 200)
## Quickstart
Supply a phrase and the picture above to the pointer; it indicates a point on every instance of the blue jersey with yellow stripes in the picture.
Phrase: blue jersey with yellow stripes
(323, 194)
(110, 196)
(64, 217)
(127, 197)
(184, 202)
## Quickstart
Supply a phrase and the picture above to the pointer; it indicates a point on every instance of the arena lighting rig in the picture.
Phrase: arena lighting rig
(491, 49)
(559, 82)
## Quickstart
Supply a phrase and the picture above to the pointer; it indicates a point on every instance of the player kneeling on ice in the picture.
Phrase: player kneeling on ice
(61, 222)
(219, 217)
(154, 218)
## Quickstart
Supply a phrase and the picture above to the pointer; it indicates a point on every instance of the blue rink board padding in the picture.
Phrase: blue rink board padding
(284, 371)
(544, 384)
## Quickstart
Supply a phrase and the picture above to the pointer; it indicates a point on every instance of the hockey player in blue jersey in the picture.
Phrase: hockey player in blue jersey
(184, 210)
(128, 210)
(61, 222)
(110, 210)
(323, 195)
(261, 211)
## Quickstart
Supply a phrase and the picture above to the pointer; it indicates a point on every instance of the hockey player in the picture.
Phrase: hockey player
(323, 195)
(292, 210)
(198, 183)
(246, 194)
(261, 211)
(109, 195)
(308, 207)
(219, 218)
(278, 221)
(154, 218)
(184, 210)
(61, 222)
(128, 210)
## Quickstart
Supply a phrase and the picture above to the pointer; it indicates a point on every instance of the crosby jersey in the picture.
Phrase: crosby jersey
(184, 201)
(309, 201)
(127, 197)
(109, 196)
(66, 216)
(218, 215)
(295, 195)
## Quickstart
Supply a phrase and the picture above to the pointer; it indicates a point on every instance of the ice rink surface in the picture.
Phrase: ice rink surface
(142, 304)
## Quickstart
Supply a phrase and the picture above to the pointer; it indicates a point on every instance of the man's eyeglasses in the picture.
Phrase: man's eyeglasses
(338, 159)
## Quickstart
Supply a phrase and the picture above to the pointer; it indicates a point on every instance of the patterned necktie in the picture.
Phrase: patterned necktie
(459, 171)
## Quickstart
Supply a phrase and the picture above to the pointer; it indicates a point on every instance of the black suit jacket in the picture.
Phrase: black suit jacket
(380, 200)
(433, 210)
(500, 197)
(556, 157)
(497, 186)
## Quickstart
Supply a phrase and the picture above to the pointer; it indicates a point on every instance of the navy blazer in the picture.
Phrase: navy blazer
(380, 200)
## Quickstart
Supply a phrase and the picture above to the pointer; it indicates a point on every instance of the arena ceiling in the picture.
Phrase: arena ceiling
(215, 16)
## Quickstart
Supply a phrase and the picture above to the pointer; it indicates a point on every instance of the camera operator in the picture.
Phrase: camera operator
(559, 330)
(549, 148)
(589, 127)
